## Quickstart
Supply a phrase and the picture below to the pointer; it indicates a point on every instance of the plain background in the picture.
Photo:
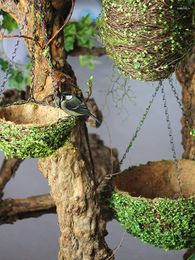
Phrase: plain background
(37, 239)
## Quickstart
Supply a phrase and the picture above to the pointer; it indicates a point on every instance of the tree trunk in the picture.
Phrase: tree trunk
(186, 76)
(69, 171)
(71, 179)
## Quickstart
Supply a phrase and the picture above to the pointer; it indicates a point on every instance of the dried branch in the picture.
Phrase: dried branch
(15, 209)
(8, 36)
(8, 169)
(95, 51)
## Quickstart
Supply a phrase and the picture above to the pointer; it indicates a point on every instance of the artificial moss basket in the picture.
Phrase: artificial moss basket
(146, 39)
(33, 130)
(146, 202)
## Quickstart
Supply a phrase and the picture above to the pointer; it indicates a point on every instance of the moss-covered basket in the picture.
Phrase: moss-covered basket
(146, 202)
(146, 39)
(33, 130)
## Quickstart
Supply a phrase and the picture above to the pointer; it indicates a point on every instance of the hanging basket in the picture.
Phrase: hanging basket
(146, 202)
(33, 130)
(146, 39)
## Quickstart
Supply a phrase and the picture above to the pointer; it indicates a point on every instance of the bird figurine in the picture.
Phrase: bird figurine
(73, 105)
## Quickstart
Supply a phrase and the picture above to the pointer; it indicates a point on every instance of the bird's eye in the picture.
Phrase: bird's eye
(68, 97)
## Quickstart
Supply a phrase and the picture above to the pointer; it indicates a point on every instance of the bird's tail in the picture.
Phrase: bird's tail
(95, 118)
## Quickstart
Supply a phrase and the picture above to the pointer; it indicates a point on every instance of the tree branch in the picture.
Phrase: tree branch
(95, 51)
(8, 169)
(12, 210)
(15, 209)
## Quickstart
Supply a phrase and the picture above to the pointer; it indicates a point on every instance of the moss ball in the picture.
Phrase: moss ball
(146, 39)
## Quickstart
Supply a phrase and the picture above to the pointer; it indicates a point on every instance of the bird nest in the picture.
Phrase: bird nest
(33, 130)
(146, 39)
(147, 203)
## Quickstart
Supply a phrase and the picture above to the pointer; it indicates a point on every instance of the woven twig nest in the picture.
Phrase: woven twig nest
(33, 130)
(146, 39)
(146, 202)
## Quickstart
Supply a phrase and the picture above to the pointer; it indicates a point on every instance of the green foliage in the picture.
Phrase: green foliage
(162, 222)
(193, 132)
(17, 78)
(8, 22)
(146, 39)
(87, 60)
(79, 34)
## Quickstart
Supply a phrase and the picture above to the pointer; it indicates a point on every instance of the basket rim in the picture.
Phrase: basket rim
(157, 180)
(125, 193)
(33, 125)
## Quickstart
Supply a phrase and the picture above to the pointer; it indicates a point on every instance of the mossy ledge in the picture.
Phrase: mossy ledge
(33, 130)
(146, 39)
(146, 202)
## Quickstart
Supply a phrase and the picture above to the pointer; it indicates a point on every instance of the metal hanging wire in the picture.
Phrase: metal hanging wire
(171, 83)
(32, 84)
(46, 50)
(140, 125)
(14, 52)
(171, 139)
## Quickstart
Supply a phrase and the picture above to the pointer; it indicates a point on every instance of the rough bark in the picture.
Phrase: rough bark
(69, 171)
(8, 170)
(15, 209)
(74, 191)
(186, 76)
(12, 210)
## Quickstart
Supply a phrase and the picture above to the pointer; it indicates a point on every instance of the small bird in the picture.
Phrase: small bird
(73, 105)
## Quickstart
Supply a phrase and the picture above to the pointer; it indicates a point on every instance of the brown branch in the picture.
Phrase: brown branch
(95, 51)
(65, 23)
(12, 210)
(20, 36)
(189, 253)
(8, 169)
(15, 209)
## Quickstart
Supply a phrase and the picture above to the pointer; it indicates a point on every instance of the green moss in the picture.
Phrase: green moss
(162, 222)
(36, 141)
(193, 132)
(146, 39)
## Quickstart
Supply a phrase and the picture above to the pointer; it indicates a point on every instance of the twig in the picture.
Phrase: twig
(8, 169)
(65, 23)
(118, 246)
(19, 36)
(12, 210)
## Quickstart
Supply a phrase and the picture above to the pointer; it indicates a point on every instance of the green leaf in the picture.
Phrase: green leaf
(136, 65)
(79, 33)
(69, 43)
(16, 78)
(90, 81)
(193, 132)
(4, 64)
(70, 29)
(87, 60)
(8, 22)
